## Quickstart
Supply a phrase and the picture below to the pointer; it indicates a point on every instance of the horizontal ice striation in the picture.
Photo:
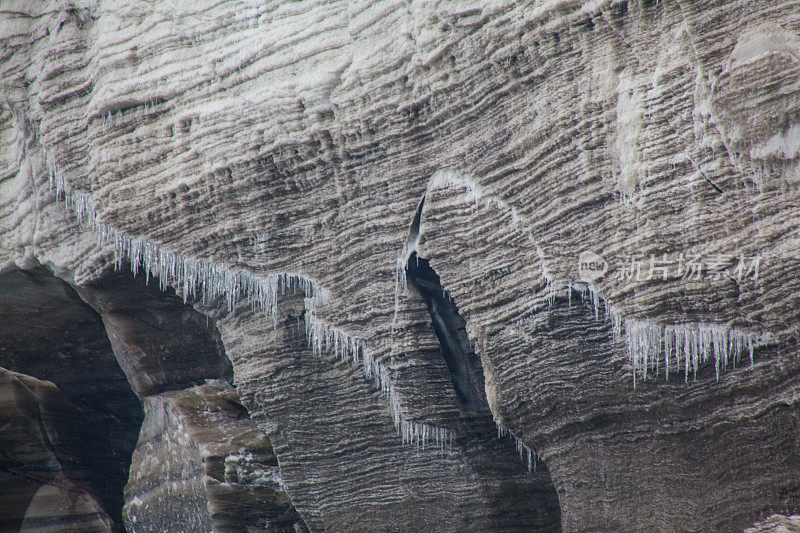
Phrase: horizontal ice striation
(204, 279)
(684, 347)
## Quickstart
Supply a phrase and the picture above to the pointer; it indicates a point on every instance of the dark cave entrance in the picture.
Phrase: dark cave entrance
(74, 420)
(75, 366)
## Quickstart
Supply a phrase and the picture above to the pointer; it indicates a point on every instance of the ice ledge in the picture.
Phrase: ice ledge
(683, 347)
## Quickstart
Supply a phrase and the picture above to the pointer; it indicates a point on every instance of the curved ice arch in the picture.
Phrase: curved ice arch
(208, 281)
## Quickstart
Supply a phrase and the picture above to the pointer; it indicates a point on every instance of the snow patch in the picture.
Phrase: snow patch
(753, 46)
(135, 501)
(781, 145)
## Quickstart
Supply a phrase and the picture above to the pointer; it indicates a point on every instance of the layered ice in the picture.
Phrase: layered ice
(684, 347)
(209, 281)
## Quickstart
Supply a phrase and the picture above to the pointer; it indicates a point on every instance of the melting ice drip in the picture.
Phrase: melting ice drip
(209, 281)
(680, 346)
(684, 347)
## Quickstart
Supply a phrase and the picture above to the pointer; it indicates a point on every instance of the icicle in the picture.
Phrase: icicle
(321, 336)
(688, 345)
(206, 280)
(527, 455)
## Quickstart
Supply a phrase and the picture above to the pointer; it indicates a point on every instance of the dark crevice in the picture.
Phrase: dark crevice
(477, 434)
(413, 232)
(464, 365)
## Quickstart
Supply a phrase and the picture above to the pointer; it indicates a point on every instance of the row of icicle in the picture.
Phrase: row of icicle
(682, 347)
(527, 454)
(110, 118)
(208, 281)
